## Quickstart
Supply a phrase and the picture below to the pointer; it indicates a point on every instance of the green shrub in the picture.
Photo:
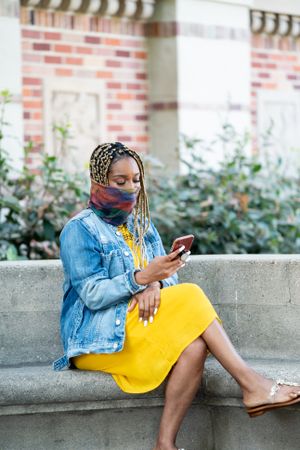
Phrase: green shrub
(35, 207)
(242, 205)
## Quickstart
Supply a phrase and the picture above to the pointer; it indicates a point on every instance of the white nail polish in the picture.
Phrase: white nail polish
(145, 323)
(151, 319)
(155, 311)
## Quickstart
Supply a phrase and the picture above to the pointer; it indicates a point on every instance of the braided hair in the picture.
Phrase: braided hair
(100, 164)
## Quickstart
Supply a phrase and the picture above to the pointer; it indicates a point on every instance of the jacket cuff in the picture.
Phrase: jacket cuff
(132, 284)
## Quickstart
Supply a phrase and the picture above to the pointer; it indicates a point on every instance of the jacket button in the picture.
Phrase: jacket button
(118, 321)
(118, 233)
(115, 345)
(126, 253)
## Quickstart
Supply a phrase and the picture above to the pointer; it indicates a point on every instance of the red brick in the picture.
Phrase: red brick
(104, 74)
(32, 104)
(115, 128)
(133, 86)
(110, 63)
(124, 96)
(36, 115)
(297, 86)
(142, 138)
(141, 76)
(84, 50)
(114, 106)
(141, 117)
(113, 85)
(124, 138)
(31, 34)
(63, 48)
(122, 53)
(110, 41)
(52, 36)
(92, 40)
(269, 85)
(32, 57)
(140, 55)
(44, 47)
(76, 61)
(26, 115)
(141, 97)
(271, 66)
(255, 64)
(36, 93)
(291, 58)
(277, 57)
(64, 72)
(35, 81)
(53, 59)
(264, 75)
(292, 77)
(260, 55)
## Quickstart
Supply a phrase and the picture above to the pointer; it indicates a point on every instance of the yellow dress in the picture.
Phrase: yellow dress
(150, 352)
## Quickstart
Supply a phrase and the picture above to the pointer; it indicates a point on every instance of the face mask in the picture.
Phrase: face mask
(111, 204)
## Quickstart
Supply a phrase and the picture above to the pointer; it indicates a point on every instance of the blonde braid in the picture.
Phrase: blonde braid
(100, 163)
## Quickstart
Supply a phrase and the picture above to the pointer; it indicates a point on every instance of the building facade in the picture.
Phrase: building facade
(146, 71)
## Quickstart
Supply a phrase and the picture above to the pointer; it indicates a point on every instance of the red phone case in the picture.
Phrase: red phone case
(183, 240)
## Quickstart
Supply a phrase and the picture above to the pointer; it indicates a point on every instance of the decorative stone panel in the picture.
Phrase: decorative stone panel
(132, 9)
(79, 109)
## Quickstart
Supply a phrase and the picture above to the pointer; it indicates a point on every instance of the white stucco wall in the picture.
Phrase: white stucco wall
(10, 78)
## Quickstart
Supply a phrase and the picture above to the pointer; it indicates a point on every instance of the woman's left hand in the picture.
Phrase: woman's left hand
(148, 301)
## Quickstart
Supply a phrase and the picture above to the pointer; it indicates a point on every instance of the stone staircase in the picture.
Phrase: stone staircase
(258, 299)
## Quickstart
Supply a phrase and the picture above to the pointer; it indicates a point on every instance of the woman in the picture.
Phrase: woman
(125, 313)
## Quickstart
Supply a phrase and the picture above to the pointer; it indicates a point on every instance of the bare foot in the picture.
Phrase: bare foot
(262, 394)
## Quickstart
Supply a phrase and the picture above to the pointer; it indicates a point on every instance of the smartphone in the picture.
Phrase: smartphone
(182, 240)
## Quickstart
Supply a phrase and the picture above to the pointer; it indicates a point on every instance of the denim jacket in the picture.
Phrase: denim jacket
(99, 282)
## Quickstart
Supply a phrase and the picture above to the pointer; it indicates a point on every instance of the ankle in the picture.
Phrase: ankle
(165, 444)
(249, 380)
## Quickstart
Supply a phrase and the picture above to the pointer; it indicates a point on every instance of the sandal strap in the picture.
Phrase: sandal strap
(276, 386)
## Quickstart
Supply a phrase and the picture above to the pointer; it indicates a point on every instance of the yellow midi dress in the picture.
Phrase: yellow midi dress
(150, 352)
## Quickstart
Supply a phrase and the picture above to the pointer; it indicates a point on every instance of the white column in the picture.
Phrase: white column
(163, 84)
(11, 78)
(201, 72)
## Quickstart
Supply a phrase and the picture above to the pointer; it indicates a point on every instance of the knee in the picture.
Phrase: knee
(196, 350)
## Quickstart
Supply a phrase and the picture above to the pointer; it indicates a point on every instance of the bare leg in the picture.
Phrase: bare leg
(181, 388)
(255, 387)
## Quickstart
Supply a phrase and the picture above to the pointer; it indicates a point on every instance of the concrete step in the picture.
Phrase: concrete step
(42, 409)
(258, 299)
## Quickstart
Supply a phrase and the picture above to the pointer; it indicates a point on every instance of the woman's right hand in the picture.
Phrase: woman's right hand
(160, 267)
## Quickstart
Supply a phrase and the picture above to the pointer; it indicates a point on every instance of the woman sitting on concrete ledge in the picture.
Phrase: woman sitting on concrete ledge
(124, 312)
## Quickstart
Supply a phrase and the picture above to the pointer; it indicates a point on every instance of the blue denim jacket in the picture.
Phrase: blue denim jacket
(99, 282)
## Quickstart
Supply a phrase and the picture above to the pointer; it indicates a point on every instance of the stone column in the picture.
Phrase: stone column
(11, 78)
(199, 71)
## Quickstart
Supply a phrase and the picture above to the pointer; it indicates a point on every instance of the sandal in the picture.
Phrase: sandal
(261, 409)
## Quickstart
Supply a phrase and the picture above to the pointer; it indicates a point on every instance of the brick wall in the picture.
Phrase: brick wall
(61, 45)
(275, 66)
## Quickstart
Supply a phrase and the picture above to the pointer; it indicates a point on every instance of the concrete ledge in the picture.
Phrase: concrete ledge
(258, 299)
(40, 389)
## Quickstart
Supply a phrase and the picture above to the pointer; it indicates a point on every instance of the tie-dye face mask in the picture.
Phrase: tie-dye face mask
(111, 204)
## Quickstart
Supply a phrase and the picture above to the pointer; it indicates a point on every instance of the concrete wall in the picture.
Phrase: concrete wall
(258, 299)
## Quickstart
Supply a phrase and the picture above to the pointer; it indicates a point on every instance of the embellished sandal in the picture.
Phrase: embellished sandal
(261, 409)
